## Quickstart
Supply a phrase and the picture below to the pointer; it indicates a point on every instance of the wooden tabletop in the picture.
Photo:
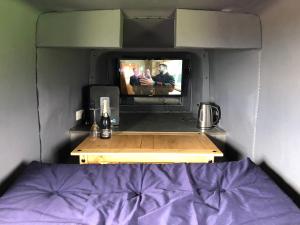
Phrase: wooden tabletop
(191, 143)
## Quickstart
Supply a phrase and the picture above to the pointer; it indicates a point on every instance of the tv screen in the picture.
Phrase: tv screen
(151, 77)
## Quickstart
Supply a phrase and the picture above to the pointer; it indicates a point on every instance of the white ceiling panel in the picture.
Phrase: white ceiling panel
(251, 6)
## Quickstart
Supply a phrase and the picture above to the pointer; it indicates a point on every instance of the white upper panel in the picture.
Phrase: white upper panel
(101, 28)
(251, 6)
(208, 29)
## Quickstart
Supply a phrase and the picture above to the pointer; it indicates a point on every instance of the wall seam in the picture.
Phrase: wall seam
(256, 106)
(37, 88)
(205, 76)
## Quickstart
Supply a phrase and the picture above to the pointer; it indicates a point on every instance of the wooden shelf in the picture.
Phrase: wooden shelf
(148, 147)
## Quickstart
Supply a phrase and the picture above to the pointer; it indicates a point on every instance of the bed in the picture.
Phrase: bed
(231, 193)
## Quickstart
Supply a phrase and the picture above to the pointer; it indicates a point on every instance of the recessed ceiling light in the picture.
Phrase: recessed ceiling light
(227, 10)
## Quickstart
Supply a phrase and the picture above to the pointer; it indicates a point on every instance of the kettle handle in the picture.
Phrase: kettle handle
(218, 113)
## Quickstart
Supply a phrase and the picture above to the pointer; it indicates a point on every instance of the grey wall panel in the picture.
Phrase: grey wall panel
(234, 86)
(278, 137)
(18, 112)
(62, 73)
(197, 80)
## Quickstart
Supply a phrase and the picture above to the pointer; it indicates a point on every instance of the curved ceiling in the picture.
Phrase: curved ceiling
(249, 6)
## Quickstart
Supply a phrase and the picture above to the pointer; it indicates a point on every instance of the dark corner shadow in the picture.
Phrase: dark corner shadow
(4, 185)
(230, 153)
(62, 153)
(286, 188)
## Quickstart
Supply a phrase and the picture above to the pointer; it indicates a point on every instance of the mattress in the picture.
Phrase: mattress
(232, 193)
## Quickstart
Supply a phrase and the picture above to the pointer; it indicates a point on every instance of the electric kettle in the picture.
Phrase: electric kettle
(209, 115)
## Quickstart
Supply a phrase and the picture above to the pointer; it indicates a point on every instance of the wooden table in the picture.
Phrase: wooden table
(148, 147)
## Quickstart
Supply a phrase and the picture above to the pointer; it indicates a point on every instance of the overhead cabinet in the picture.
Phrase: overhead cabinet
(208, 29)
(100, 28)
(192, 28)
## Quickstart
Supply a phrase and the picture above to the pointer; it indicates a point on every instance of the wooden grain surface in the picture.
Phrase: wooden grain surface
(182, 143)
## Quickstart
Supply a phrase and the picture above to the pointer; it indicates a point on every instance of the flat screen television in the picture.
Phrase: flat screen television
(151, 77)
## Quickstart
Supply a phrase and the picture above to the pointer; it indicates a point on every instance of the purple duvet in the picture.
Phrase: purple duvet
(233, 193)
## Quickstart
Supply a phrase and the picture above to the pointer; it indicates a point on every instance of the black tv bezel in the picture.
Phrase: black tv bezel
(184, 71)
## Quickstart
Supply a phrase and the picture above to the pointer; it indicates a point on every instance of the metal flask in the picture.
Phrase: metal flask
(209, 115)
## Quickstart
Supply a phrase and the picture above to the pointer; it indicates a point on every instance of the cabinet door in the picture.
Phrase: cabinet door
(208, 29)
(100, 28)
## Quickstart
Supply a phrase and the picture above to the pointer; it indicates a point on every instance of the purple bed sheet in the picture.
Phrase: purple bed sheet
(232, 193)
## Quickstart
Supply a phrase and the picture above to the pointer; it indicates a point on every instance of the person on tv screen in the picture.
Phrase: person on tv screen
(135, 82)
(147, 74)
(163, 82)
(135, 78)
(146, 89)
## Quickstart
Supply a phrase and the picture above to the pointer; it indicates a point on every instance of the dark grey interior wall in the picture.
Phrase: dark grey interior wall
(18, 112)
(234, 85)
(277, 138)
(273, 79)
(62, 73)
(103, 72)
(197, 75)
